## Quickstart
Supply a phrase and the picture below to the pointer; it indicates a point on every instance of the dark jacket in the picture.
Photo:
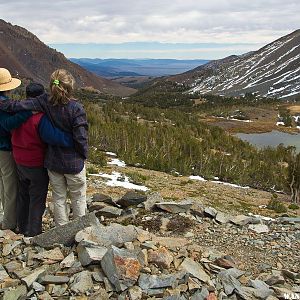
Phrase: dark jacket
(71, 118)
(10, 121)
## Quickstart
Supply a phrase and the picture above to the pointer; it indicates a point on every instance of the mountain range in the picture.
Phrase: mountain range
(272, 71)
(137, 67)
(27, 57)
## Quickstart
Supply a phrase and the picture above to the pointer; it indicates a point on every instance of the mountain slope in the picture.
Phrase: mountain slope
(26, 56)
(272, 71)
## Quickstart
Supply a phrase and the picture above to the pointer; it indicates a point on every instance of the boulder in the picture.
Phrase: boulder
(103, 198)
(19, 292)
(68, 261)
(160, 257)
(121, 267)
(152, 199)
(195, 269)
(229, 282)
(89, 252)
(147, 281)
(241, 220)
(82, 282)
(109, 212)
(222, 218)
(114, 234)
(175, 207)
(210, 212)
(65, 234)
(259, 228)
(131, 199)
(30, 279)
(289, 220)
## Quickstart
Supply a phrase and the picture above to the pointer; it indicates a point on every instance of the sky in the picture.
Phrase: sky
(184, 29)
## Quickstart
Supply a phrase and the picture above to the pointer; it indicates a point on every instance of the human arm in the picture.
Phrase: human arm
(54, 136)
(15, 121)
(80, 131)
(4, 132)
(33, 104)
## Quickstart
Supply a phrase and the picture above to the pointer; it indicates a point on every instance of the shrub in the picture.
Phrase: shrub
(294, 206)
(277, 206)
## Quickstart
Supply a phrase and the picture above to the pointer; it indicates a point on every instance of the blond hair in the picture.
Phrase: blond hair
(61, 87)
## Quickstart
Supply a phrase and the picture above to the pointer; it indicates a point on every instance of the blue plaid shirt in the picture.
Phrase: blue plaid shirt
(71, 118)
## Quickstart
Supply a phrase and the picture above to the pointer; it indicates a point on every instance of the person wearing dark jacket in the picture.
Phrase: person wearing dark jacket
(66, 166)
(8, 174)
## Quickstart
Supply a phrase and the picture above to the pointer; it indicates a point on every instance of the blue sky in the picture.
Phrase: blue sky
(157, 28)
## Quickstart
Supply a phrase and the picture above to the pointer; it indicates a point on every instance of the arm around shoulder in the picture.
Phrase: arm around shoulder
(80, 130)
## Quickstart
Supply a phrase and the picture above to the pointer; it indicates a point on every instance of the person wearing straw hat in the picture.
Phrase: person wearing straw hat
(8, 174)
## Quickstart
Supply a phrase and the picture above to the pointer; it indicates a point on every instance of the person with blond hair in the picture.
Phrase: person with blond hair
(66, 166)
(8, 174)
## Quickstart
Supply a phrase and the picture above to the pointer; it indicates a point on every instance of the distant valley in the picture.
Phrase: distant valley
(137, 67)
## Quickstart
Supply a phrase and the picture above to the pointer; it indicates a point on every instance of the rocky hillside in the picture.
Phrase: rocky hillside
(27, 57)
(142, 246)
(272, 71)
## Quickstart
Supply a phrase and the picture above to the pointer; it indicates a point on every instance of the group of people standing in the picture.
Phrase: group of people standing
(42, 138)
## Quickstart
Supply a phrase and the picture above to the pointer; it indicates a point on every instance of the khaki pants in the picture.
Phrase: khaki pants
(76, 184)
(8, 189)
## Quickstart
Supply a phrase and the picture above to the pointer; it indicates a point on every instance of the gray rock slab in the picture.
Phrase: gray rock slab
(201, 294)
(152, 199)
(65, 234)
(236, 273)
(89, 252)
(16, 293)
(3, 274)
(53, 279)
(210, 212)
(289, 220)
(259, 228)
(122, 267)
(262, 290)
(38, 287)
(195, 269)
(222, 218)
(229, 283)
(147, 282)
(30, 279)
(82, 282)
(175, 207)
(114, 234)
(131, 199)
(103, 198)
(109, 212)
(68, 261)
(241, 220)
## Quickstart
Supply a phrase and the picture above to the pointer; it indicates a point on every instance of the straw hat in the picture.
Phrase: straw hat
(8, 83)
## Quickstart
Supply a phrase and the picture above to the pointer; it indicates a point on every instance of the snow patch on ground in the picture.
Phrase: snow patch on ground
(280, 124)
(261, 217)
(231, 184)
(117, 162)
(199, 178)
(119, 180)
(111, 153)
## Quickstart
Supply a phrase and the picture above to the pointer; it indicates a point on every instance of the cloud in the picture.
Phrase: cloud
(172, 21)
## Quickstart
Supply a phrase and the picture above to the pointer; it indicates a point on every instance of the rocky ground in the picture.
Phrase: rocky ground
(138, 246)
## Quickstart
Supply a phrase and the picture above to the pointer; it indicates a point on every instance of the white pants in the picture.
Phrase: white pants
(76, 184)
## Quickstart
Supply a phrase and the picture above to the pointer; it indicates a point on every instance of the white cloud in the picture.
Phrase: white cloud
(84, 21)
